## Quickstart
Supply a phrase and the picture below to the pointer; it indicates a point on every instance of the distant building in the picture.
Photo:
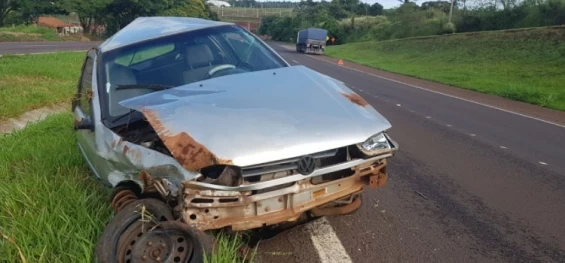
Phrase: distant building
(218, 3)
(63, 29)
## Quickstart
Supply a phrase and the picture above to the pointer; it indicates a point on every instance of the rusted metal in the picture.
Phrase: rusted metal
(207, 209)
(126, 149)
(334, 211)
(145, 178)
(378, 180)
(122, 199)
(379, 176)
(355, 98)
(187, 151)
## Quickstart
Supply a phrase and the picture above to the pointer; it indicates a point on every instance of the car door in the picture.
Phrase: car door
(83, 109)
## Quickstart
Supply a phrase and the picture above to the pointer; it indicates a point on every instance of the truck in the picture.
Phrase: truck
(311, 40)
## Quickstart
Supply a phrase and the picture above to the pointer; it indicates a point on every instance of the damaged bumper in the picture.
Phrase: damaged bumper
(208, 206)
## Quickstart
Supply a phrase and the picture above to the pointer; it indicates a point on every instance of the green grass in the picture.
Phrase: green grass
(33, 81)
(523, 65)
(52, 208)
(230, 246)
(23, 33)
(28, 33)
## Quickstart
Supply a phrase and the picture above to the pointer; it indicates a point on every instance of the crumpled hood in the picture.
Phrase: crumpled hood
(253, 118)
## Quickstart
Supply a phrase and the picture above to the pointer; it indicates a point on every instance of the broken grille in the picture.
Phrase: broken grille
(289, 166)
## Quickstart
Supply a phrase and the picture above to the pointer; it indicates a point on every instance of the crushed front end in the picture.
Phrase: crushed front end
(323, 183)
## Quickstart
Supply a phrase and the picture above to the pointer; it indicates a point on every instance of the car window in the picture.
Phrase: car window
(85, 88)
(180, 59)
(144, 54)
(237, 42)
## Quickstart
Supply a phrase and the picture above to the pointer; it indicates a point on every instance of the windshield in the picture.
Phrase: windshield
(178, 60)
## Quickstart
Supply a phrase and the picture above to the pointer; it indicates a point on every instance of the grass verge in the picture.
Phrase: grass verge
(23, 33)
(522, 65)
(33, 81)
(52, 209)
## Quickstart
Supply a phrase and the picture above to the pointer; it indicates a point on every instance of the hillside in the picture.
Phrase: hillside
(525, 65)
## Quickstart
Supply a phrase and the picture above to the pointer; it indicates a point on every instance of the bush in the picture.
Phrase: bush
(449, 28)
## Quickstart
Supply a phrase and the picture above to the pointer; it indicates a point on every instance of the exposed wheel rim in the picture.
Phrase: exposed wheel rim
(169, 244)
(130, 238)
(126, 228)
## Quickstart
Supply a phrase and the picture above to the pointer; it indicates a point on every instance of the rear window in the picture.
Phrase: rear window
(144, 54)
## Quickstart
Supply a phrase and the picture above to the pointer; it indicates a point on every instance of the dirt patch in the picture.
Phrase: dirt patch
(23, 120)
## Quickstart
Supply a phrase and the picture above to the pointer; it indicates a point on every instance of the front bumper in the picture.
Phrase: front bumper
(212, 207)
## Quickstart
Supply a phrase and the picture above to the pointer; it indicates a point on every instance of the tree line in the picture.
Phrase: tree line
(352, 20)
(113, 14)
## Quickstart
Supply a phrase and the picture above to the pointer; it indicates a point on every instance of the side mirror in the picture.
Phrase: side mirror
(84, 124)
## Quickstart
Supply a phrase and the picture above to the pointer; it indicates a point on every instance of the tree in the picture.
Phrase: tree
(88, 11)
(119, 13)
(5, 7)
(187, 8)
(376, 9)
(439, 5)
(32, 9)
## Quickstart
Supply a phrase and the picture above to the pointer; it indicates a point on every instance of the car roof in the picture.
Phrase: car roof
(144, 28)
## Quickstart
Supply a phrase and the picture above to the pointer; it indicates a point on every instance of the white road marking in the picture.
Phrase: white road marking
(542, 163)
(449, 125)
(473, 135)
(326, 242)
(503, 147)
(428, 117)
(448, 95)
(295, 61)
(398, 105)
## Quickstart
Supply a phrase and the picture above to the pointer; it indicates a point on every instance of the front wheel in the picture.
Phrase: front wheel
(117, 243)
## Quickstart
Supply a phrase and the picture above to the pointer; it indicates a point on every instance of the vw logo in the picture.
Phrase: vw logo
(306, 165)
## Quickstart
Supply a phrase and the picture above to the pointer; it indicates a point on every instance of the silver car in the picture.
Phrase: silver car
(211, 121)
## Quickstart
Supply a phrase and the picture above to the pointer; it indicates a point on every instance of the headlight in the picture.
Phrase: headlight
(376, 144)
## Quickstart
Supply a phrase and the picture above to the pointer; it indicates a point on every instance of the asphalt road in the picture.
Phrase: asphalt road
(477, 178)
(43, 47)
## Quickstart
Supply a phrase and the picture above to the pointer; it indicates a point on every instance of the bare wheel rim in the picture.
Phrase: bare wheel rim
(168, 244)
(129, 238)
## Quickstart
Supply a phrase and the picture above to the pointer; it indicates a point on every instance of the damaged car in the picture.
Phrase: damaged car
(199, 125)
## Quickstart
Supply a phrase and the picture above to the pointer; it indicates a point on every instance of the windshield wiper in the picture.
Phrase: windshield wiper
(144, 86)
(123, 115)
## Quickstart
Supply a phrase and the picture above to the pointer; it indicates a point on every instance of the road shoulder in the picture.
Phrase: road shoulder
(515, 107)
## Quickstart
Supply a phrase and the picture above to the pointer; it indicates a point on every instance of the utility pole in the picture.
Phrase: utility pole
(451, 11)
